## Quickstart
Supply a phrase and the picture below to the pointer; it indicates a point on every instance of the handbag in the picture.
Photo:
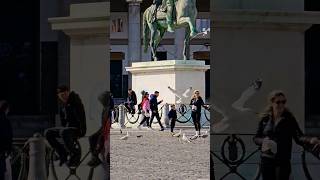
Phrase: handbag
(194, 108)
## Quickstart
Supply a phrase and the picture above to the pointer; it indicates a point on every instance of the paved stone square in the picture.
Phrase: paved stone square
(157, 155)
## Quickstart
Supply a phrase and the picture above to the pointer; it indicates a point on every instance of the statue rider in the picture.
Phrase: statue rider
(156, 4)
(169, 15)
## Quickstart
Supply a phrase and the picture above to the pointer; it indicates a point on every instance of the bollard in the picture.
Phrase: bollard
(8, 174)
(121, 116)
(165, 119)
(52, 171)
(37, 162)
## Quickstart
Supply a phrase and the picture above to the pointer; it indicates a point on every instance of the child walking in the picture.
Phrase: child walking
(173, 117)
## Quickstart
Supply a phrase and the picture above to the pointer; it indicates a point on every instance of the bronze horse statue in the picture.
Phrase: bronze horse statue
(185, 13)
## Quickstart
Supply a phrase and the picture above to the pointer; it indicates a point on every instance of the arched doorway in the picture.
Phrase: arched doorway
(117, 82)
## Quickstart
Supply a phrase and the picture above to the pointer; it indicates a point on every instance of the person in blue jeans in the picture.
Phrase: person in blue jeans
(154, 109)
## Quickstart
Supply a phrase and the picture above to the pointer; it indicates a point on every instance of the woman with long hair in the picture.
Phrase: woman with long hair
(276, 130)
(196, 104)
(145, 104)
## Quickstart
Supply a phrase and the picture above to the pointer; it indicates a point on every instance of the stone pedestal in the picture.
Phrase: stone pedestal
(177, 74)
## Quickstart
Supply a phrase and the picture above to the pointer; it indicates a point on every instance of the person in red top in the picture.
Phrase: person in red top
(145, 104)
(100, 141)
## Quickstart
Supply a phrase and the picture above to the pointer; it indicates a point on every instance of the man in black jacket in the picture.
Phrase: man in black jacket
(154, 108)
(73, 120)
(131, 101)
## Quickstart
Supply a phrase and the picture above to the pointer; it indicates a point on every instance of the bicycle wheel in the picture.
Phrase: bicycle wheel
(132, 118)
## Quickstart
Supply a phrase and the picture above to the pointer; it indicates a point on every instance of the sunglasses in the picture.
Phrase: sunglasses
(281, 102)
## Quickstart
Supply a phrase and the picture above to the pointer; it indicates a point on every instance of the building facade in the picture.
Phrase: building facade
(125, 47)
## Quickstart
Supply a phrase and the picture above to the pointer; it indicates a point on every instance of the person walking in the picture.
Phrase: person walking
(196, 104)
(145, 105)
(173, 117)
(154, 109)
(6, 136)
(275, 132)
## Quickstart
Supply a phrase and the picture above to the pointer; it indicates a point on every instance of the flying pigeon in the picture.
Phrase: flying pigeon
(249, 92)
(186, 92)
(125, 137)
(181, 97)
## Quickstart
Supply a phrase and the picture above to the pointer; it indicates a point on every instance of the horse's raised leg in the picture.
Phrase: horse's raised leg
(186, 50)
(152, 44)
(192, 27)
(162, 31)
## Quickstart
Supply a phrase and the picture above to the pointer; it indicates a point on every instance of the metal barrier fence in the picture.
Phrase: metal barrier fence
(123, 116)
(233, 153)
(35, 160)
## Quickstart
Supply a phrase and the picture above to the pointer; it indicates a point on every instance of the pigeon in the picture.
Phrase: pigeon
(194, 137)
(205, 135)
(184, 138)
(139, 136)
(249, 92)
(183, 97)
(177, 134)
(125, 137)
(186, 92)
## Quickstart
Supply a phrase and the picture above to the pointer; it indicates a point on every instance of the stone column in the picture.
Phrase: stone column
(37, 153)
(179, 43)
(88, 29)
(134, 33)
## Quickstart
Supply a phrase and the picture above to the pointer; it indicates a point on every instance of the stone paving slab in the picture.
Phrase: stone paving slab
(158, 156)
